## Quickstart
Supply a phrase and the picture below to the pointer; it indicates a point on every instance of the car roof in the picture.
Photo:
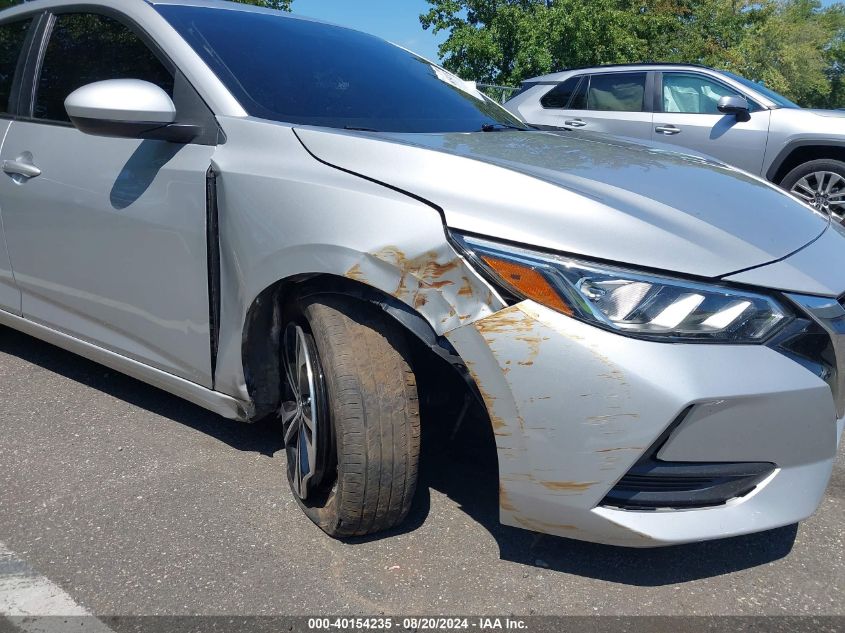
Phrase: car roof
(220, 4)
(40, 5)
(559, 77)
(564, 74)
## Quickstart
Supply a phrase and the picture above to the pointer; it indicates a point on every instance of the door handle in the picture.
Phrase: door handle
(22, 167)
(668, 130)
(574, 123)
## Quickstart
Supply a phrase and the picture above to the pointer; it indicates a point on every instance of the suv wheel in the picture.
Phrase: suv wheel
(350, 417)
(821, 184)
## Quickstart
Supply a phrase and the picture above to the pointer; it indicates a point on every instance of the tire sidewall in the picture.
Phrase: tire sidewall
(321, 507)
(805, 169)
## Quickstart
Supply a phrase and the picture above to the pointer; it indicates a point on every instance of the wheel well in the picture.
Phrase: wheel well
(804, 154)
(442, 377)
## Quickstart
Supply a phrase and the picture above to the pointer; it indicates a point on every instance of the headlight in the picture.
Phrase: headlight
(634, 303)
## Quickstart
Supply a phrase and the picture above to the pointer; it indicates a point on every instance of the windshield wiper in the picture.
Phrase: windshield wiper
(360, 129)
(498, 127)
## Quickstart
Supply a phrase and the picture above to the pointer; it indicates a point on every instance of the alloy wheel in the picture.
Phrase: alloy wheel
(304, 416)
(823, 190)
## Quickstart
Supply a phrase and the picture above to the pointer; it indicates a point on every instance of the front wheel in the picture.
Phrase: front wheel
(821, 184)
(350, 416)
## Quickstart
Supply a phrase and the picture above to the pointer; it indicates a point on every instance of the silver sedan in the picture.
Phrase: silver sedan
(274, 217)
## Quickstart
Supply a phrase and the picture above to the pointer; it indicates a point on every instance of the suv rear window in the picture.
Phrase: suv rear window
(560, 95)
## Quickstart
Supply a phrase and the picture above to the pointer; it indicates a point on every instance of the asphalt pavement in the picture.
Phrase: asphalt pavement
(133, 502)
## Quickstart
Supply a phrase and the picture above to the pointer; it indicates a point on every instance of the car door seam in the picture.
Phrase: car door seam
(3, 231)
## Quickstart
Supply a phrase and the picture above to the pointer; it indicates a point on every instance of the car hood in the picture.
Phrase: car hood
(584, 195)
(837, 114)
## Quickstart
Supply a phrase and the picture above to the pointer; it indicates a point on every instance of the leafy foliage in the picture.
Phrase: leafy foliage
(796, 47)
(283, 5)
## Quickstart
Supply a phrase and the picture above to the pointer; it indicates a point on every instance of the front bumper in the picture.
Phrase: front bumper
(574, 407)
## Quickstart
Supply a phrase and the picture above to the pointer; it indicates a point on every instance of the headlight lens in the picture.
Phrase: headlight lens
(634, 303)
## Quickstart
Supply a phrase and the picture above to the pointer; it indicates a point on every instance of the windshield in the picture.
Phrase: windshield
(300, 71)
(780, 100)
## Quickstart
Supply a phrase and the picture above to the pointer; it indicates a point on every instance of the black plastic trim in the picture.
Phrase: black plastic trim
(173, 132)
(805, 342)
(653, 484)
(780, 159)
(213, 255)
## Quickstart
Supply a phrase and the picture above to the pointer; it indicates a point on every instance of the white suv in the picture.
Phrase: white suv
(715, 112)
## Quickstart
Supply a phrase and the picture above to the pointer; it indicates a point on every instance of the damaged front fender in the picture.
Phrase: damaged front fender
(437, 283)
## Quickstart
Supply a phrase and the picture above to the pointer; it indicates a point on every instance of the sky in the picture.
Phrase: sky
(394, 20)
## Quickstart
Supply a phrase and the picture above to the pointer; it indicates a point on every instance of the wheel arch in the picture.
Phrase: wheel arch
(803, 151)
(264, 322)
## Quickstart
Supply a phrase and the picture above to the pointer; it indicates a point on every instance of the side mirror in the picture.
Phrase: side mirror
(127, 108)
(734, 104)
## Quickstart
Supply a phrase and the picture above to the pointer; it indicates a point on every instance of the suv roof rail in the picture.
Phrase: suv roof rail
(599, 66)
(692, 65)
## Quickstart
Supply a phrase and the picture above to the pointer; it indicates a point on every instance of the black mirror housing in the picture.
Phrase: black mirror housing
(734, 104)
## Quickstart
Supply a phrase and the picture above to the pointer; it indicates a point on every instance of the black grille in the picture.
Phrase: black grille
(652, 484)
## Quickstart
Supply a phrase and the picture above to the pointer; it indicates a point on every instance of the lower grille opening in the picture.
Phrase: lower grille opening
(653, 484)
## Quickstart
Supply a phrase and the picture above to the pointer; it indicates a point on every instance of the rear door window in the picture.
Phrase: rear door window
(617, 92)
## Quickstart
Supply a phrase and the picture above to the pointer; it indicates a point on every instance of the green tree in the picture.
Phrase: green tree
(283, 5)
(796, 51)
(794, 46)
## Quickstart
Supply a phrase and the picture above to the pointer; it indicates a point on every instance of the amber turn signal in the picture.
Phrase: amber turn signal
(529, 282)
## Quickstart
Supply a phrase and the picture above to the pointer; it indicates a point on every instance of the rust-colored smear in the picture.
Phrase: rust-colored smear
(431, 269)
(613, 450)
(568, 486)
(489, 401)
(420, 300)
(508, 320)
(402, 288)
(504, 500)
(425, 269)
(356, 274)
(611, 416)
(392, 255)
(534, 343)
(466, 288)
